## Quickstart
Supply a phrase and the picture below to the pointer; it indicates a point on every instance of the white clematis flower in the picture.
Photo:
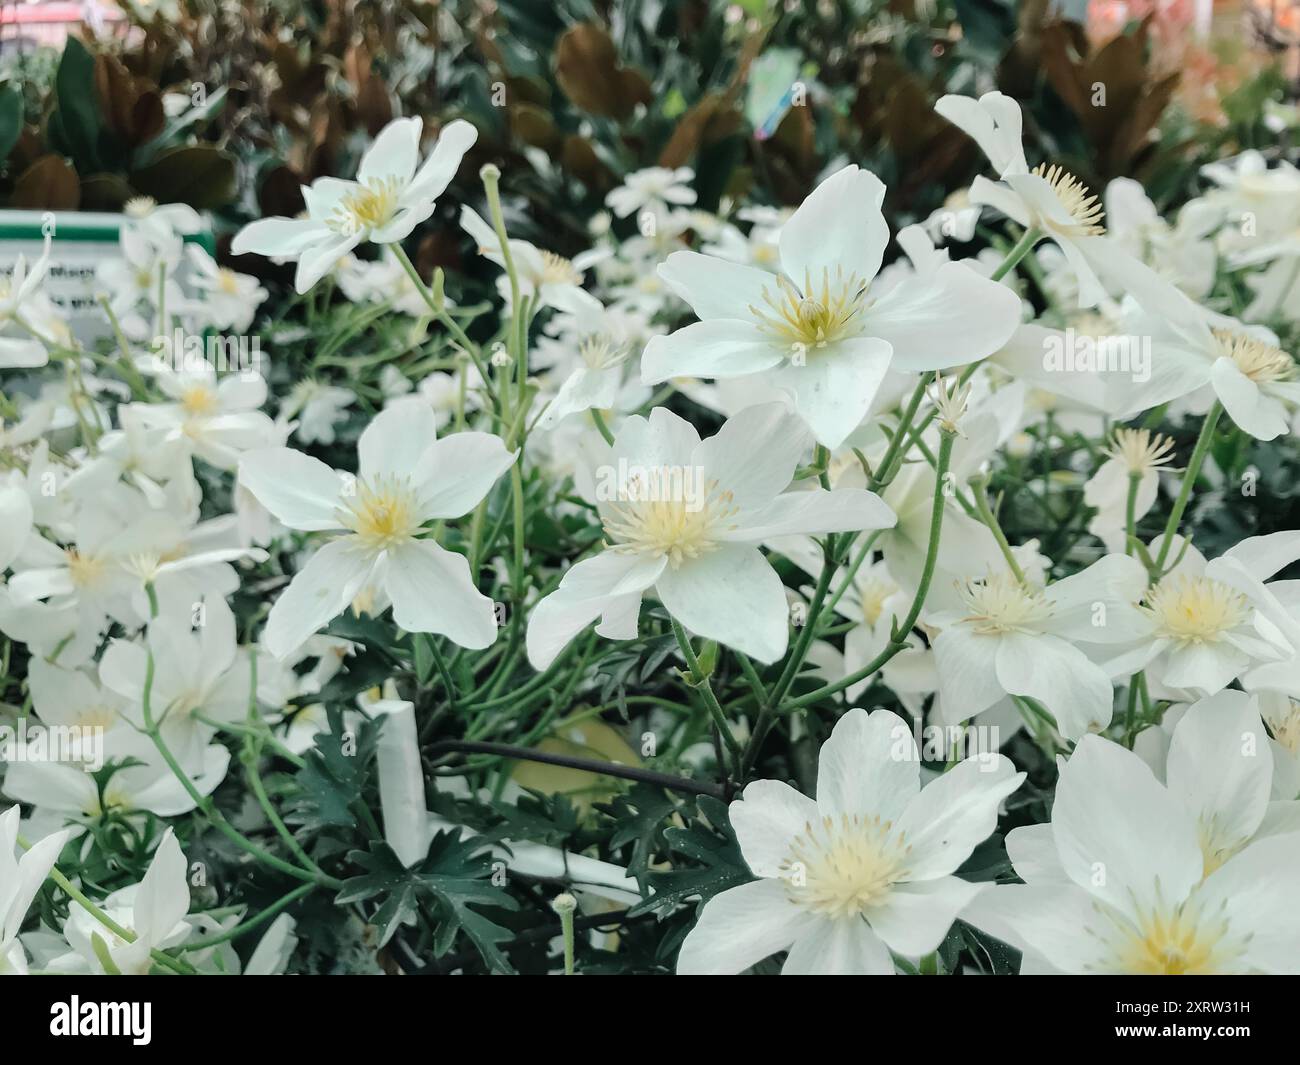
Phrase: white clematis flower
(547, 279)
(1020, 639)
(154, 910)
(389, 198)
(1047, 198)
(20, 880)
(407, 479)
(823, 327)
(865, 869)
(1196, 876)
(1203, 624)
(653, 189)
(229, 299)
(218, 418)
(684, 517)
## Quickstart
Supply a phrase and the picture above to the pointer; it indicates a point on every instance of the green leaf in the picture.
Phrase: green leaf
(452, 877)
(75, 126)
(639, 815)
(200, 175)
(710, 843)
(334, 775)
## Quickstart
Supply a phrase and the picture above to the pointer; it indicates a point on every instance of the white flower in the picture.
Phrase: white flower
(821, 329)
(1133, 453)
(161, 221)
(154, 910)
(407, 478)
(1197, 876)
(685, 517)
(20, 294)
(200, 678)
(318, 407)
(865, 869)
(383, 281)
(653, 188)
(389, 198)
(549, 280)
(1182, 253)
(230, 299)
(602, 347)
(145, 272)
(20, 880)
(1019, 639)
(218, 419)
(1281, 711)
(147, 786)
(1047, 198)
(1203, 624)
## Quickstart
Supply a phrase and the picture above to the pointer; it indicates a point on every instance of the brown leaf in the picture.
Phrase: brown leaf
(580, 160)
(589, 72)
(49, 184)
(533, 125)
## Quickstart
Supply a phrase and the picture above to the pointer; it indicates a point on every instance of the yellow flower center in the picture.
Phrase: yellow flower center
(85, 570)
(557, 270)
(999, 603)
(1259, 361)
(1139, 451)
(840, 867)
(89, 717)
(820, 313)
(669, 512)
(382, 513)
(366, 207)
(1080, 204)
(227, 282)
(1195, 610)
(873, 592)
(114, 798)
(1181, 941)
(199, 400)
(139, 207)
(600, 352)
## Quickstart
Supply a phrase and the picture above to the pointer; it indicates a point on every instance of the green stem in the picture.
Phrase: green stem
(1017, 253)
(898, 641)
(706, 690)
(1189, 480)
(985, 511)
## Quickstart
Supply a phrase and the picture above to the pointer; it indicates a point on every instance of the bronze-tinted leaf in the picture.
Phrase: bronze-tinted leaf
(588, 70)
(374, 105)
(533, 125)
(105, 192)
(49, 184)
(580, 160)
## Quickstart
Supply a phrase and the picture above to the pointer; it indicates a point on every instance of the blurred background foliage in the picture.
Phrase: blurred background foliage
(233, 106)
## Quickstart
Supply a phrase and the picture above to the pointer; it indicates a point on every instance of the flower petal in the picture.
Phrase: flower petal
(732, 595)
(954, 813)
(321, 590)
(433, 591)
(868, 767)
(302, 492)
(739, 928)
(839, 226)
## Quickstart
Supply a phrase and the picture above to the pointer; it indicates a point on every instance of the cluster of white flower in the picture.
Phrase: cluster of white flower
(862, 408)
